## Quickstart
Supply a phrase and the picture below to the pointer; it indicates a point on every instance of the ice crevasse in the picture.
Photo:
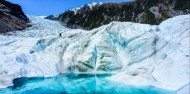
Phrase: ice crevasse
(137, 54)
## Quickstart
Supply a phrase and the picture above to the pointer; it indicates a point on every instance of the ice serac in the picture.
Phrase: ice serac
(139, 54)
(168, 66)
(12, 17)
(94, 15)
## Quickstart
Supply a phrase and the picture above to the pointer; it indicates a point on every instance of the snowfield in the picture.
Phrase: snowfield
(87, 7)
(137, 54)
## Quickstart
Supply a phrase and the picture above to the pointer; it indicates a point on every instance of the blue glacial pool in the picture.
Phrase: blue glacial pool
(77, 84)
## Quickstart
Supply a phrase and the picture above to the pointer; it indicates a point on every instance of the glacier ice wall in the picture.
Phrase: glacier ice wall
(139, 54)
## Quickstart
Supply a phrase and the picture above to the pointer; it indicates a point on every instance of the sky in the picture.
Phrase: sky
(55, 7)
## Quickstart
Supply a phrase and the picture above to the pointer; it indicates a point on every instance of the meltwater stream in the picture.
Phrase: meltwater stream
(77, 84)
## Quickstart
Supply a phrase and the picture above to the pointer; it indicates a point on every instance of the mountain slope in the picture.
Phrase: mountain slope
(12, 17)
(93, 15)
(158, 55)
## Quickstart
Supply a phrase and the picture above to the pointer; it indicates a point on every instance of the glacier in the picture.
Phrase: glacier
(136, 54)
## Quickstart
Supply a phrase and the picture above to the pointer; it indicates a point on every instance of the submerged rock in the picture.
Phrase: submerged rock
(12, 17)
(93, 15)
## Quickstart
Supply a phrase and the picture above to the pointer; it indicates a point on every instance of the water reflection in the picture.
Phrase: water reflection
(76, 84)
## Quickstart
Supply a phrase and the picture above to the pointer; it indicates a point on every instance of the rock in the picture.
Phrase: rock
(153, 12)
(52, 17)
(12, 17)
